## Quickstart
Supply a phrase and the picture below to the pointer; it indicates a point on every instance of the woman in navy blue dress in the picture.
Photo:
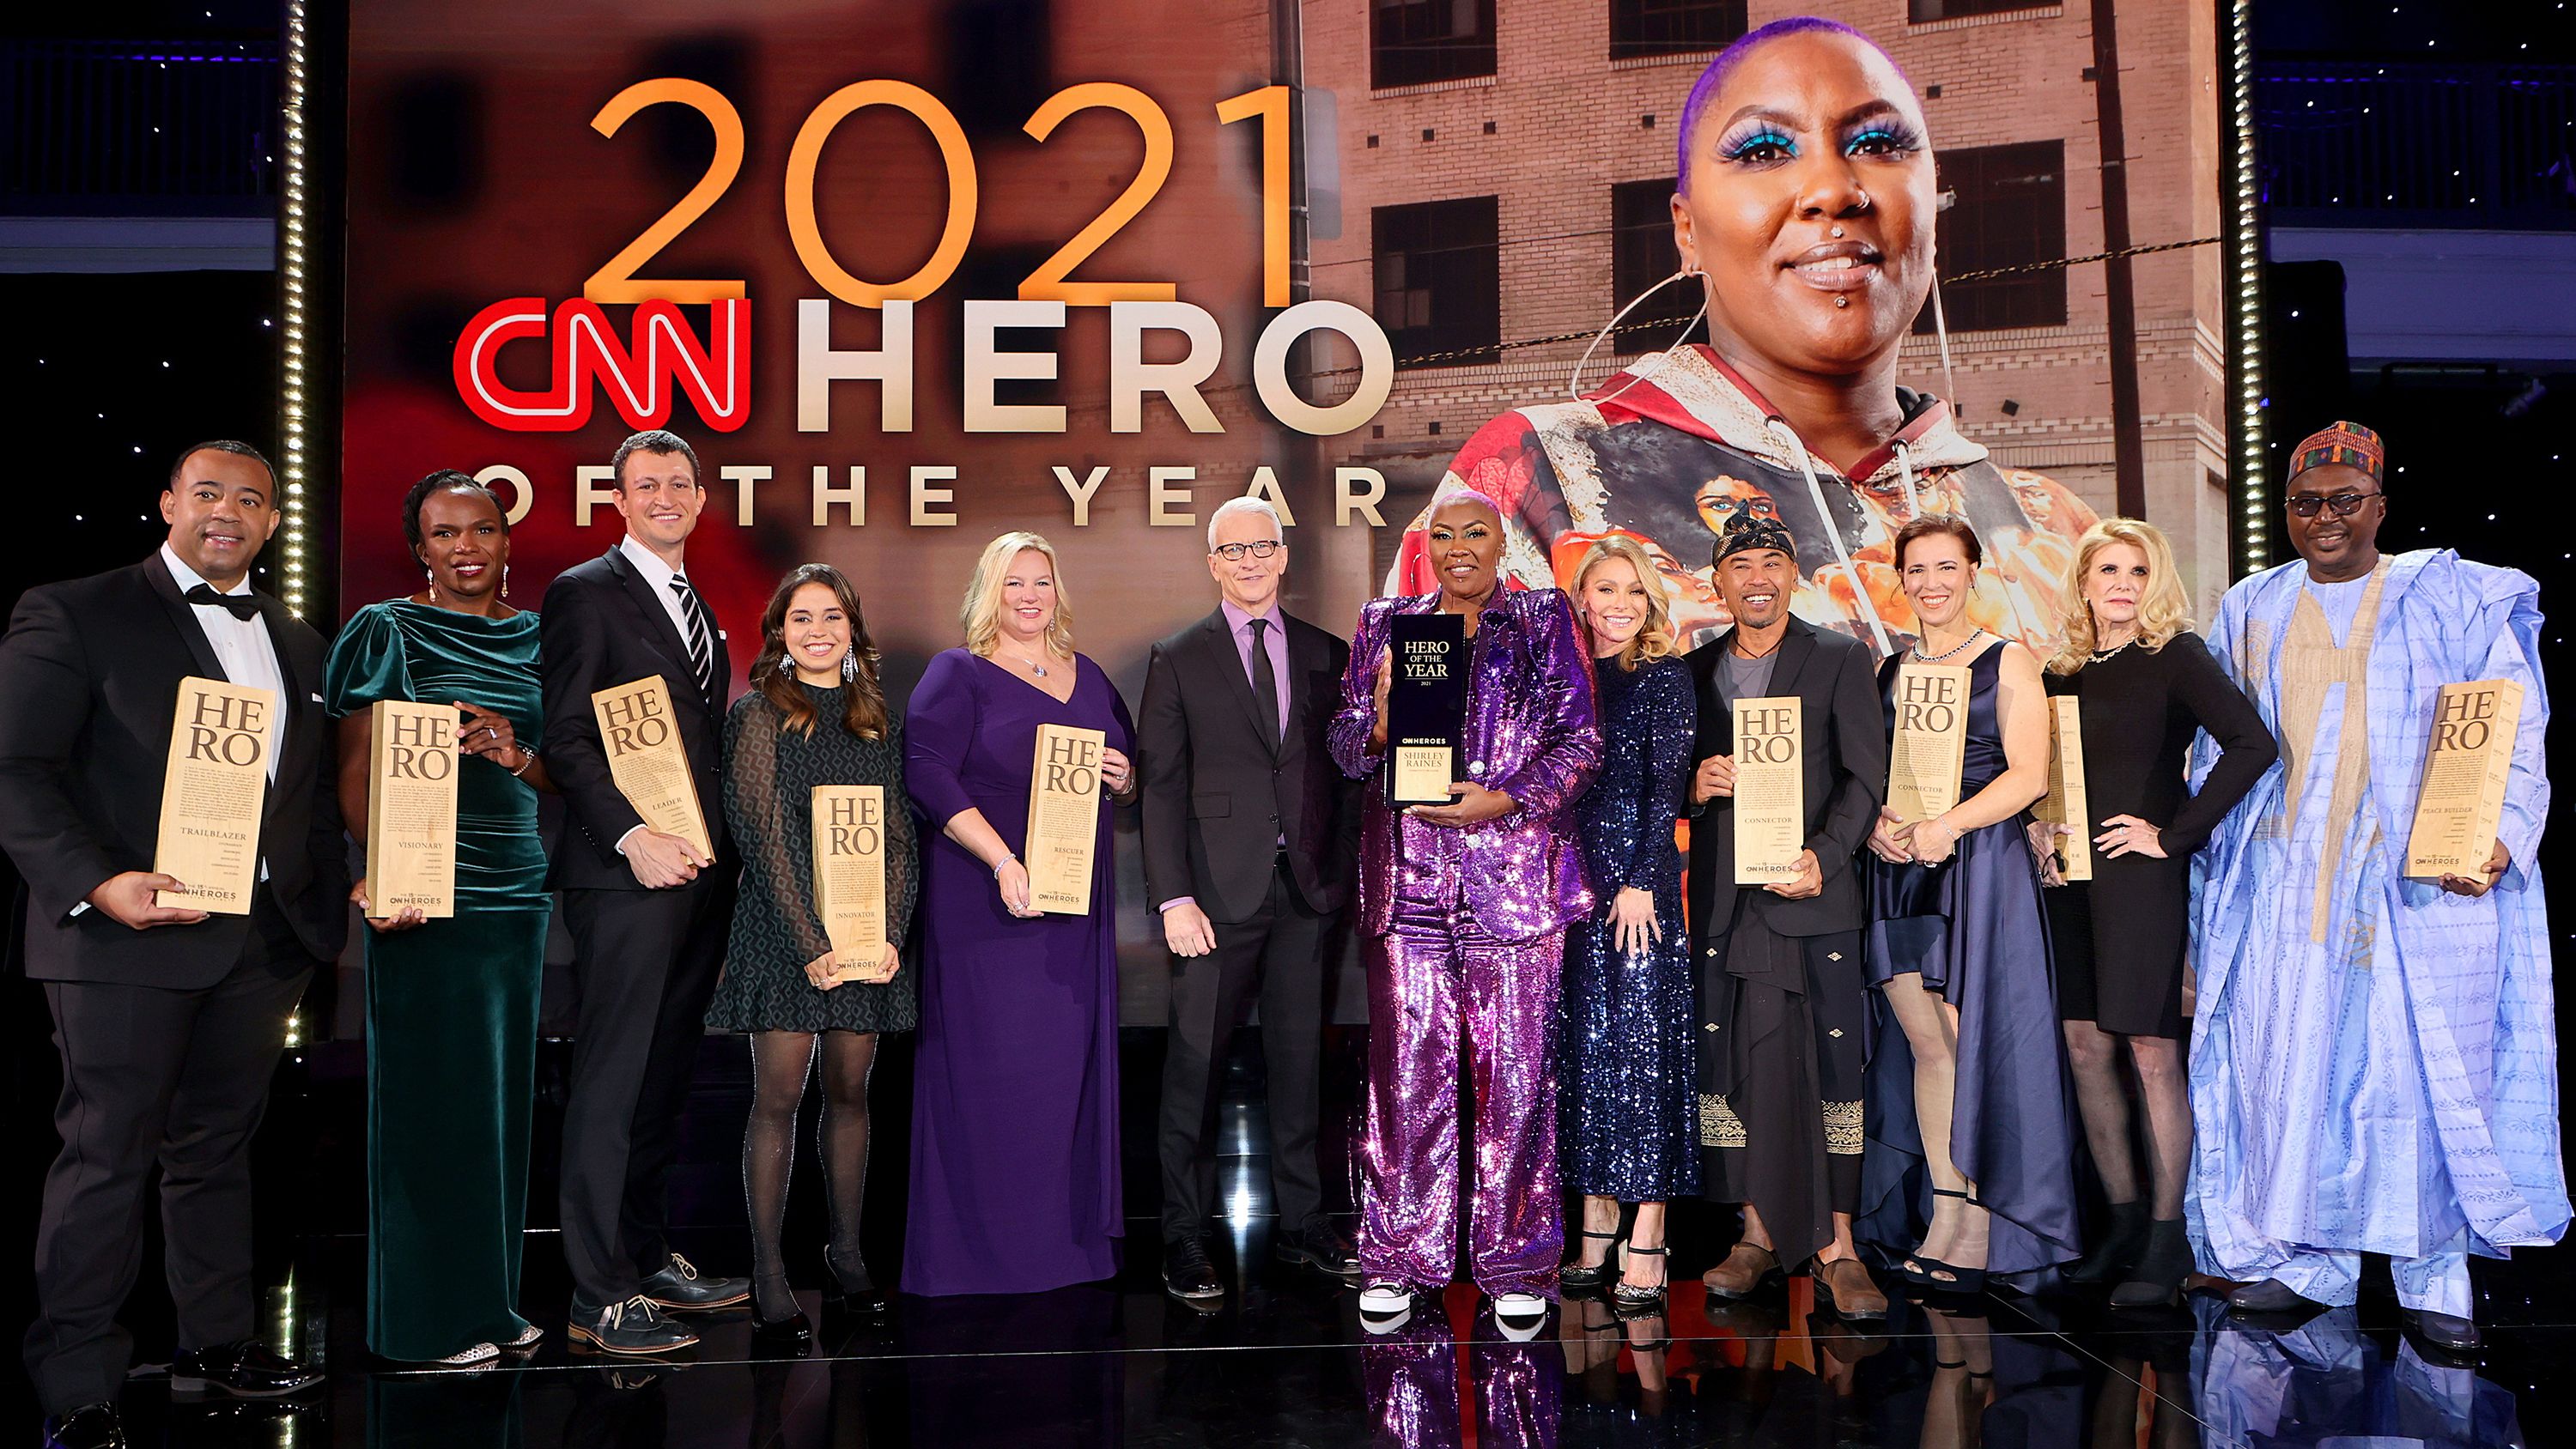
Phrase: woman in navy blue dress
(1629, 1093)
(1015, 1089)
(1968, 1081)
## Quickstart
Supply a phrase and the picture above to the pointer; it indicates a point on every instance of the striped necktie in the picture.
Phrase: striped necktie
(702, 651)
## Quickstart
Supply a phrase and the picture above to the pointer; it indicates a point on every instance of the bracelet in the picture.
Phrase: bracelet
(525, 765)
(1007, 858)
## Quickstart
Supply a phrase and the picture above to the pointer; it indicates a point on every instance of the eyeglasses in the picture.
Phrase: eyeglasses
(1234, 552)
(2345, 505)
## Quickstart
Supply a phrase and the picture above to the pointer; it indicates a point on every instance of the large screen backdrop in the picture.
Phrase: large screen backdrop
(910, 275)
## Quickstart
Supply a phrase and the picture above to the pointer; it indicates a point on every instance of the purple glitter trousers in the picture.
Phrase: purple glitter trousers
(1436, 980)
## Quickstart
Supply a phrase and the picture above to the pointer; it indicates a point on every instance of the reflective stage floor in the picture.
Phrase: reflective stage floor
(1285, 1362)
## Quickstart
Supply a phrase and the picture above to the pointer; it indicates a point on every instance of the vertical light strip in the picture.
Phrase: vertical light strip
(2252, 462)
(295, 422)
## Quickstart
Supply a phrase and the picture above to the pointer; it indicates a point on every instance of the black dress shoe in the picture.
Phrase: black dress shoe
(1187, 1273)
(2271, 1297)
(635, 1326)
(91, 1426)
(245, 1370)
(680, 1288)
(1324, 1246)
(2442, 1330)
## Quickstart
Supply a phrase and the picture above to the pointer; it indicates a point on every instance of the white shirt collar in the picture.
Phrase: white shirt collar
(188, 578)
(648, 563)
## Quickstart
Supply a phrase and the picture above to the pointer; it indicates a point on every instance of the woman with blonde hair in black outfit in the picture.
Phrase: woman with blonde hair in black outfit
(2147, 686)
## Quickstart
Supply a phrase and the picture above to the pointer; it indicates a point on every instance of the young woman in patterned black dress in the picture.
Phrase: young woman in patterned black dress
(814, 716)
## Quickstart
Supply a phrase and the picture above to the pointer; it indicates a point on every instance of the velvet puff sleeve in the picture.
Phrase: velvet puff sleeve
(367, 663)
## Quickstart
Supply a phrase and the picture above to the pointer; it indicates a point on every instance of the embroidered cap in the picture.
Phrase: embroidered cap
(2350, 444)
(1744, 532)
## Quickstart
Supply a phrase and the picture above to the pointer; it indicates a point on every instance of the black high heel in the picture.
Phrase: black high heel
(840, 1296)
(1633, 1299)
(791, 1334)
(1577, 1281)
(1925, 1273)
(2157, 1280)
(2112, 1259)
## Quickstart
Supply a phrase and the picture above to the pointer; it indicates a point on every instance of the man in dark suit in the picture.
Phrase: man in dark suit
(648, 913)
(169, 1020)
(1248, 847)
(1783, 998)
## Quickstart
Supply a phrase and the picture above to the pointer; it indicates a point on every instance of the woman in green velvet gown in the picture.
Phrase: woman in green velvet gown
(452, 1003)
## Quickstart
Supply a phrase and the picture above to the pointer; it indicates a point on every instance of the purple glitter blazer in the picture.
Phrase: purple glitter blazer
(1531, 733)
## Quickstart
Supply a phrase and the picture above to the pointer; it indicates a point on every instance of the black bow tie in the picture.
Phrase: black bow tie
(244, 606)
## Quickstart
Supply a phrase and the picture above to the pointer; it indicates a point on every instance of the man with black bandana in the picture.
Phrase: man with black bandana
(1783, 999)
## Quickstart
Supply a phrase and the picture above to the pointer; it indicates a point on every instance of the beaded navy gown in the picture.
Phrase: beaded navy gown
(1630, 1093)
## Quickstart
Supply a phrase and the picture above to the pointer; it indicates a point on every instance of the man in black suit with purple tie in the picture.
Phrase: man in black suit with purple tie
(647, 912)
(169, 1019)
(1249, 834)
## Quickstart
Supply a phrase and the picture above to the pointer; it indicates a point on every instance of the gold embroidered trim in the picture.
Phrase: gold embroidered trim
(1842, 1129)
(1718, 1124)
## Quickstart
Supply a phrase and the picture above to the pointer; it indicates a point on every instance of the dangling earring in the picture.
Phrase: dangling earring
(505, 581)
(850, 665)
(432, 576)
(1574, 384)
(786, 664)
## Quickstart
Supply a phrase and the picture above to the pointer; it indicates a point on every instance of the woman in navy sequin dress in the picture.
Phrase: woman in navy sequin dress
(1629, 1098)
(1968, 1079)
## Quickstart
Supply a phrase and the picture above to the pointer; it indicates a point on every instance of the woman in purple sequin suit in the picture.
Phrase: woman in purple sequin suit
(1464, 908)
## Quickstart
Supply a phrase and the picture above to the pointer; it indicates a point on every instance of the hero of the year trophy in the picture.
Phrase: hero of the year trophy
(1770, 803)
(649, 762)
(1426, 706)
(2466, 766)
(213, 794)
(1064, 818)
(1930, 747)
(849, 875)
(412, 764)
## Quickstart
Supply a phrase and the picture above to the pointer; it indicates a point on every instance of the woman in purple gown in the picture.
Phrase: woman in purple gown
(1015, 1090)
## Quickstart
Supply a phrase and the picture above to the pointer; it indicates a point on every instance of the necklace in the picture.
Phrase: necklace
(2101, 654)
(1032, 666)
(1922, 658)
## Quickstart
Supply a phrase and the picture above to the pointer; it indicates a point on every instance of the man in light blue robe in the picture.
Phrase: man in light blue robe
(2374, 1064)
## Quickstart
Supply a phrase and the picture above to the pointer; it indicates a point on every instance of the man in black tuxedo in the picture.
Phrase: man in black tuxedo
(648, 913)
(1249, 832)
(1784, 1005)
(169, 1020)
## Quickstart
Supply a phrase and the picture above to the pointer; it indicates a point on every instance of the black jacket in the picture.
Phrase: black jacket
(1217, 801)
(1845, 778)
(601, 627)
(89, 680)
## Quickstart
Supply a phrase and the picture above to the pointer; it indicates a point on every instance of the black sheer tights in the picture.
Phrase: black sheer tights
(780, 1063)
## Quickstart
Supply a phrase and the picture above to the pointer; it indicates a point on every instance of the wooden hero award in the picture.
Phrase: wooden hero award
(1930, 747)
(2064, 804)
(213, 794)
(2466, 769)
(849, 875)
(648, 760)
(1064, 818)
(411, 809)
(1426, 706)
(1770, 788)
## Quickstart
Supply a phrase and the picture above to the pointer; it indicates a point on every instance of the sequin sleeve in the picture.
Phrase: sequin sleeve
(1669, 714)
(1560, 708)
(1356, 720)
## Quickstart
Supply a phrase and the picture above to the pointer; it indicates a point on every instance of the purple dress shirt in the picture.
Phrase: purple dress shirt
(1530, 733)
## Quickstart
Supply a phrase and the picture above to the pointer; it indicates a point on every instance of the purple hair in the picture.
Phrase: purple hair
(1704, 89)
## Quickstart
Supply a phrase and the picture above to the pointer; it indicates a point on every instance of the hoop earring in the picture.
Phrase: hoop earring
(1574, 383)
